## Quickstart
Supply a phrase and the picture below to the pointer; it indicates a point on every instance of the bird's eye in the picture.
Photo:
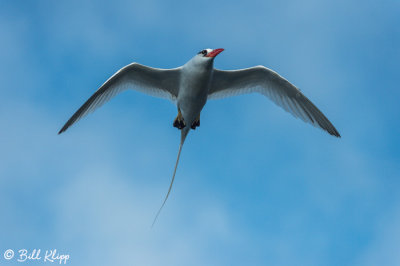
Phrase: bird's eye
(203, 52)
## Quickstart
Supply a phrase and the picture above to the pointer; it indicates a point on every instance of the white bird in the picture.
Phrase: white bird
(191, 85)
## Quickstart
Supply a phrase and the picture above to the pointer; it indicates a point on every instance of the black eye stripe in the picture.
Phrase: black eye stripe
(203, 52)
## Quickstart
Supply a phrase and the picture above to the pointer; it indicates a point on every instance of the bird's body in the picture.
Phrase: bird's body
(193, 90)
(192, 84)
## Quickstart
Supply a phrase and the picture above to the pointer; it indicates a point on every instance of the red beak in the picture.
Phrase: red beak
(214, 52)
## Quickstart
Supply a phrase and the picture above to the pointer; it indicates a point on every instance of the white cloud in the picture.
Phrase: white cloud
(384, 247)
(106, 220)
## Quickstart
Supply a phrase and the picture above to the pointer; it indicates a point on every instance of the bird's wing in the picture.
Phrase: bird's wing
(269, 83)
(156, 82)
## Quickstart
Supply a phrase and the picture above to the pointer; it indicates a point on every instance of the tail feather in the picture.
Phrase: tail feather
(184, 133)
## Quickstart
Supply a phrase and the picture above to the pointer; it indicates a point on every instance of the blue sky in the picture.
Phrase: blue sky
(255, 186)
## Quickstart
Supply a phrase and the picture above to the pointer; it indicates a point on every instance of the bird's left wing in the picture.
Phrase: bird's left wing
(269, 83)
(163, 83)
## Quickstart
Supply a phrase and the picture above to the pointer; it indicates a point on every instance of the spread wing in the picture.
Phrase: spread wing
(269, 83)
(156, 82)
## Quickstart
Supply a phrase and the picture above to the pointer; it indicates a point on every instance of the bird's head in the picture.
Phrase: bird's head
(205, 58)
(209, 53)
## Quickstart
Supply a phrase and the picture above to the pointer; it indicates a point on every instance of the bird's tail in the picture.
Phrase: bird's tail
(184, 133)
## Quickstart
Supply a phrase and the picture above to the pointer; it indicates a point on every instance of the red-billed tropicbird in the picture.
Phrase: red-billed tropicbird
(191, 85)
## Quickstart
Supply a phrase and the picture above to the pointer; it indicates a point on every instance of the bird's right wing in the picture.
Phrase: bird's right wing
(162, 83)
(260, 79)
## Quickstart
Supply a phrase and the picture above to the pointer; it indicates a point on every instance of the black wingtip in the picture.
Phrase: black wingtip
(62, 130)
(335, 134)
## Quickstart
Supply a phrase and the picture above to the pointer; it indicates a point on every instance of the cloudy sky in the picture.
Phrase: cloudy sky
(255, 186)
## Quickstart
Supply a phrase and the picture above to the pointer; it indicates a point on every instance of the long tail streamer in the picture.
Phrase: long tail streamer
(184, 133)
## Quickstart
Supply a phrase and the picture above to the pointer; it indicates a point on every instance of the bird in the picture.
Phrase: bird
(190, 86)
